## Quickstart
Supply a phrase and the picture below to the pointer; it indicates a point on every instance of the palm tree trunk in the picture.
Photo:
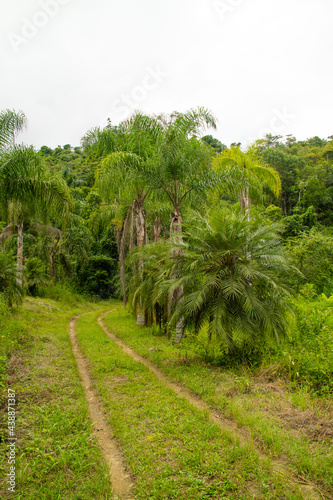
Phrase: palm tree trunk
(140, 222)
(241, 200)
(157, 229)
(51, 266)
(121, 257)
(176, 231)
(131, 241)
(247, 202)
(20, 250)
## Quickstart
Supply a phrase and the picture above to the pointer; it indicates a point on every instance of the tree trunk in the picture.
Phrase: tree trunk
(20, 250)
(176, 231)
(51, 266)
(241, 200)
(121, 256)
(157, 229)
(140, 222)
(131, 240)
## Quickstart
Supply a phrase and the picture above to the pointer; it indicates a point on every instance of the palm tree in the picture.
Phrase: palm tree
(119, 186)
(10, 123)
(182, 166)
(247, 175)
(120, 182)
(238, 298)
(182, 162)
(27, 190)
(98, 143)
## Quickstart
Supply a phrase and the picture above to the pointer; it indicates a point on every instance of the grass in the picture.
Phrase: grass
(173, 450)
(285, 425)
(57, 456)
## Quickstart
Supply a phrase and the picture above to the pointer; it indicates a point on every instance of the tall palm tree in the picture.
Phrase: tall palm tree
(181, 163)
(98, 143)
(27, 189)
(247, 174)
(119, 186)
(182, 166)
(121, 182)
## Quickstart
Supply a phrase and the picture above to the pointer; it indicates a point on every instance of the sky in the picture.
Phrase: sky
(260, 66)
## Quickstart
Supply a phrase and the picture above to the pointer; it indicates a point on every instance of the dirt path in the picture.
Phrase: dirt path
(120, 479)
(309, 490)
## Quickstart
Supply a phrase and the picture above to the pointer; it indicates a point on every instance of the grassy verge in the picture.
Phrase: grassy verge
(173, 450)
(286, 425)
(56, 455)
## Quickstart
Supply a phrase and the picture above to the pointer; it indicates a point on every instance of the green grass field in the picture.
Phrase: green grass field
(171, 449)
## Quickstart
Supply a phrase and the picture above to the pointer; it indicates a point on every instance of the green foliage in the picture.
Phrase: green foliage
(230, 270)
(232, 276)
(214, 143)
(11, 122)
(307, 355)
(313, 254)
(97, 276)
(295, 224)
(274, 213)
(11, 291)
(64, 293)
(26, 187)
(35, 275)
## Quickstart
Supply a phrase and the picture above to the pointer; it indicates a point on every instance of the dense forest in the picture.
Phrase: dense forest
(200, 240)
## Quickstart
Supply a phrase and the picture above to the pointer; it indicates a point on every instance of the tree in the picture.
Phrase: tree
(28, 190)
(214, 143)
(98, 143)
(239, 299)
(119, 185)
(247, 174)
(181, 166)
(312, 252)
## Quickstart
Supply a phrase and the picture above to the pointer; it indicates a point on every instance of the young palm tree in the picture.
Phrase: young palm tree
(27, 190)
(237, 297)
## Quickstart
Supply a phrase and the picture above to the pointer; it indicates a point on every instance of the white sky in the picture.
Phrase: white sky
(259, 65)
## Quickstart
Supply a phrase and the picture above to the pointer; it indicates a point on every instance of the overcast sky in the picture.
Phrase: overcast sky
(259, 65)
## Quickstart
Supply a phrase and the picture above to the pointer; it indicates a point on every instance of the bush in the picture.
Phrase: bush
(307, 356)
(61, 292)
(97, 277)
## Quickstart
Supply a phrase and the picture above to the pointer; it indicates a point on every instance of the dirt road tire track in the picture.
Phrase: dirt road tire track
(119, 477)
